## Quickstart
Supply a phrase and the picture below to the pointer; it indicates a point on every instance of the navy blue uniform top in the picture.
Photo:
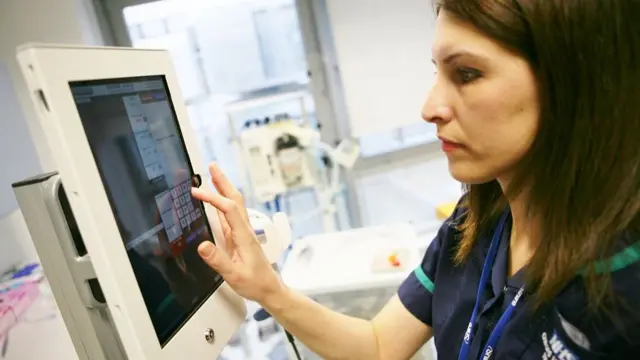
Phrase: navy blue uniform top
(442, 295)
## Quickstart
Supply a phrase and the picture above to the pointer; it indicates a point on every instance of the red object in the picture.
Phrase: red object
(178, 246)
(393, 259)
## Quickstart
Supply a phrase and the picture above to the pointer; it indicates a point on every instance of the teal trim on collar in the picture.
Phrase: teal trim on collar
(424, 279)
(619, 261)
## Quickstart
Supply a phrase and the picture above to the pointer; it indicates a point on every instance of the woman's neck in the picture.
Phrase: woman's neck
(524, 237)
(523, 240)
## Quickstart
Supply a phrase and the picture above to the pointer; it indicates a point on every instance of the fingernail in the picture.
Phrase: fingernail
(205, 249)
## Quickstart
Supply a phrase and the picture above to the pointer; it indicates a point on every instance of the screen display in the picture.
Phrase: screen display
(136, 142)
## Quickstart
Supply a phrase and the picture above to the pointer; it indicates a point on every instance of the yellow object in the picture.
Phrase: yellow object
(393, 259)
(443, 211)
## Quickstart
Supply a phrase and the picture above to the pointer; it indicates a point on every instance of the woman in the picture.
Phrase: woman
(537, 105)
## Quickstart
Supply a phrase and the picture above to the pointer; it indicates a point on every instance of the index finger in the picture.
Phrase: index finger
(229, 208)
(226, 188)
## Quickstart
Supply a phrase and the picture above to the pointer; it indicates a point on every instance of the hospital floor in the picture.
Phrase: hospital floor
(410, 194)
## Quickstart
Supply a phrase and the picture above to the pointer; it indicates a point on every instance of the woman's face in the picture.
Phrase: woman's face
(484, 103)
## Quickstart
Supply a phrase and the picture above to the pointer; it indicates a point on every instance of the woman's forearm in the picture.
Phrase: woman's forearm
(327, 333)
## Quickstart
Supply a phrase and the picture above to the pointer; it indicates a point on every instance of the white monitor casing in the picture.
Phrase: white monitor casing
(48, 70)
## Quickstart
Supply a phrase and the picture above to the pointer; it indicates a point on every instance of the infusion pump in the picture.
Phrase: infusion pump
(280, 157)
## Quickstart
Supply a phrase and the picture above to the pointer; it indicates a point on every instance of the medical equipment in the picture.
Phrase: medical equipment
(280, 155)
(276, 158)
(116, 228)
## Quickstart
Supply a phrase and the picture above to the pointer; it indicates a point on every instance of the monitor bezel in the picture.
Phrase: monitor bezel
(164, 339)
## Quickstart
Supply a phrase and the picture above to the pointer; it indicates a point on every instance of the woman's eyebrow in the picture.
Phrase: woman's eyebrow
(454, 55)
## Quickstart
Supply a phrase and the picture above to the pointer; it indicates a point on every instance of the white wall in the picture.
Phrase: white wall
(21, 150)
(383, 50)
(15, 243)
(14, 139)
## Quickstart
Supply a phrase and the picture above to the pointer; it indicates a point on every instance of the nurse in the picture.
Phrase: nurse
(537, 105)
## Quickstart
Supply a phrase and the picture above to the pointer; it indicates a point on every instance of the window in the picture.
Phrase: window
(226, 52)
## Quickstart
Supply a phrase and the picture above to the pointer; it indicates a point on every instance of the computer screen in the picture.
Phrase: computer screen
(132, 129)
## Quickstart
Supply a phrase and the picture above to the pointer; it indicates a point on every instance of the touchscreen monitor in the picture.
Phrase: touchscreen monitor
(132, 129)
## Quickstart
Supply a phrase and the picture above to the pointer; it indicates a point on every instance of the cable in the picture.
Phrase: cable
(262, 315)
(292, 341)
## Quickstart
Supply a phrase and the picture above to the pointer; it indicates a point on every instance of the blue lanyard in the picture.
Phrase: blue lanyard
(504, 319)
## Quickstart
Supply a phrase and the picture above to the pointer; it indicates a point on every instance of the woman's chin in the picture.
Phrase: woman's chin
(469, 175)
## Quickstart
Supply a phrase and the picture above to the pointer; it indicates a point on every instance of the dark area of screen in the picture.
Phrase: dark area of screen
(141, 156)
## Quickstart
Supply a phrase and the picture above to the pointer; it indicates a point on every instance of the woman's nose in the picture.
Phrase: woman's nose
(435, 108)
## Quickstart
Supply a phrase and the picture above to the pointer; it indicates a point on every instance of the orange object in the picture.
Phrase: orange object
(393, 259)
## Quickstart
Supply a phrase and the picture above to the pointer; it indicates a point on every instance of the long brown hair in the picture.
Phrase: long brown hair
(582, 173)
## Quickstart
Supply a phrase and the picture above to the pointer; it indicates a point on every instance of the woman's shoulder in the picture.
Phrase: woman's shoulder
(621, 269)
(612, 325)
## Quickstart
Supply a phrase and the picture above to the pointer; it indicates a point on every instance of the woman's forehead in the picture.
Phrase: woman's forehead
(454, 36)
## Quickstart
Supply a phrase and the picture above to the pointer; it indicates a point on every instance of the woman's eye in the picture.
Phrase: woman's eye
(466, 75)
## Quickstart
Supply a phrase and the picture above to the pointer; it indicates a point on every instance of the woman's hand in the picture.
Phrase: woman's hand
(241, 263)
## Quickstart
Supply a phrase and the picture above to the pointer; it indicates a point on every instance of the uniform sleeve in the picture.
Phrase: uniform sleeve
(416, 291)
